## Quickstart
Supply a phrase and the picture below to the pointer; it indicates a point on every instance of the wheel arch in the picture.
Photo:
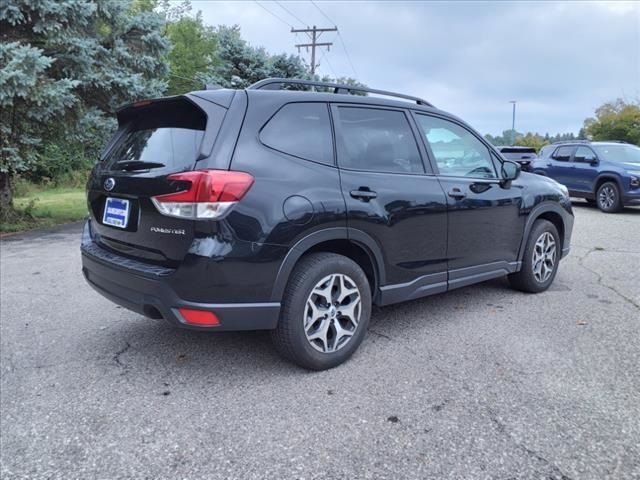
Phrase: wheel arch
(546, 211)
(606, 177)
(352, 243)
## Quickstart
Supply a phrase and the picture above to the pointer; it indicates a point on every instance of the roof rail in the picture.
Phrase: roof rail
(277, 83)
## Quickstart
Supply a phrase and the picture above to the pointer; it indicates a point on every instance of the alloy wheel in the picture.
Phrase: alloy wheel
(544, 257)
(606, 197)
(332, 313)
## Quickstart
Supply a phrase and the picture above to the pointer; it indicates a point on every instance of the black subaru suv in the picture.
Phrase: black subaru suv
(295, 211)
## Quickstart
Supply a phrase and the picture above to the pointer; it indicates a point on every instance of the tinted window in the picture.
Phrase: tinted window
(518, 153)
(170, 146)
(562, 154)
(302, 130)
(546, 150)
(168, 133)
(584, 154)
(376, 140)
(457, 151)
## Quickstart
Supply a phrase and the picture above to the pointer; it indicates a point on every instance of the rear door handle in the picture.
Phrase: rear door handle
(362, 194)
(455, 192)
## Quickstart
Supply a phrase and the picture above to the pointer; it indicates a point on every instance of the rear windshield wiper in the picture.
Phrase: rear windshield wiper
(130, 165)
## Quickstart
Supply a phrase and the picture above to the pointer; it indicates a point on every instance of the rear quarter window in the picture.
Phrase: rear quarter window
(302, 130)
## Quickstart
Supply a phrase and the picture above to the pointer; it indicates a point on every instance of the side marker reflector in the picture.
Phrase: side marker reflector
(202, 318)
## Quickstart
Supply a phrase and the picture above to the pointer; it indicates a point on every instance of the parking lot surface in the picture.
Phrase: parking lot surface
(482, 382)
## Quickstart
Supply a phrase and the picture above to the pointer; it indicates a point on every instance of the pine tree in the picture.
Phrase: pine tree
(65, 67)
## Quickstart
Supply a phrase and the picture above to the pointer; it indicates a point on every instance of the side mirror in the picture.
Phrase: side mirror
(593, 162)
(510, 171)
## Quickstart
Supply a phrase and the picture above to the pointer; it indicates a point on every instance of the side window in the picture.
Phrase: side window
(457, 151)
(376, 140)
(302, 130)
(562, 154)
(584, 154)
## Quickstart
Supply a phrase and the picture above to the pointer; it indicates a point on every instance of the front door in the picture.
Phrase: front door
(392, 199)
(485, 224)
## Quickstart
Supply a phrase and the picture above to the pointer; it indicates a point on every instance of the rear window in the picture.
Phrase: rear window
(546, 150)
(166, 133)
(302, 130)
(377, 140)
(518, 153)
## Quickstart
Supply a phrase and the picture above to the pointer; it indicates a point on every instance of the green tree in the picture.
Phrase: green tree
(531, 139)
(242, 64)
(617, 120)
(66, 66)
(193, 57)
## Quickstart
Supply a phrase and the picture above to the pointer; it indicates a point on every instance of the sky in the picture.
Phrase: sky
(558, 60)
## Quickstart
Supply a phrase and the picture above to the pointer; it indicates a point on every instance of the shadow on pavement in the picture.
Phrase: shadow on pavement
(139, 343)
(583, 204)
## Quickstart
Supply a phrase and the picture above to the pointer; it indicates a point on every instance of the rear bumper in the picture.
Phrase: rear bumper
(149, 293)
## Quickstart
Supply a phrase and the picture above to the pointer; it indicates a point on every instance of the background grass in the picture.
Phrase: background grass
(44, 208)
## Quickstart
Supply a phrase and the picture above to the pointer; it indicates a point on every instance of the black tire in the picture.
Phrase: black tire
(525, 280)
(608, 197)
(289, 336)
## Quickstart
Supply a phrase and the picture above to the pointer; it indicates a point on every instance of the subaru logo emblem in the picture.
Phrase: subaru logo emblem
(109, 183)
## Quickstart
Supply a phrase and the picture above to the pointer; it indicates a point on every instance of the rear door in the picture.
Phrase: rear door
(155, 139)
(559, 165)
(392, 198)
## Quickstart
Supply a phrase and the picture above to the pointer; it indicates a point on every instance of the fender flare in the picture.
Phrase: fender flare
(533, 216)
(303, 245)
(607, 176)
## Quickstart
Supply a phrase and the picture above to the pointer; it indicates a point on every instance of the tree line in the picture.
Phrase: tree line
(66, 66)
(617, 120)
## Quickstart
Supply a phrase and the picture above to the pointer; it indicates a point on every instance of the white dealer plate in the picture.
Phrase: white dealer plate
(116, 212)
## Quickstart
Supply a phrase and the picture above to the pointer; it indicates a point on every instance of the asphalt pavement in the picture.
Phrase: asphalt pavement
(482, 382)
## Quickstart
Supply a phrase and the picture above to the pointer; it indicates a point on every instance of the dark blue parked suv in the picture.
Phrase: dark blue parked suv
(605, 173)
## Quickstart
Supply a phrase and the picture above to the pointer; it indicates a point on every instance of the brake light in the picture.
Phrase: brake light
(210, 194)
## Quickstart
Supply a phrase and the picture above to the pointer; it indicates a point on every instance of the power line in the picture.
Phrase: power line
(326, 59)
(272, 14)
(291, 13)
(184, 78)
(320, 10)
(313, 33)
(344, 45)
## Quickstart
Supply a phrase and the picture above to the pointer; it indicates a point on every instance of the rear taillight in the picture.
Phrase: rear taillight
(209, 195)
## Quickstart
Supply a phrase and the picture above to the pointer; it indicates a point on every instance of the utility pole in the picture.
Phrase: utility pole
(513, 123)
(314, 33)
